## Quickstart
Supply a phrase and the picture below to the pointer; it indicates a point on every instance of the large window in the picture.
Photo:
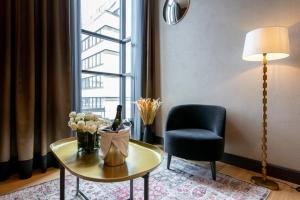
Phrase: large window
(106, 71)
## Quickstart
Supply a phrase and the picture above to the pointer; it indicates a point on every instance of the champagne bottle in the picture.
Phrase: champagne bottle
(117, 121)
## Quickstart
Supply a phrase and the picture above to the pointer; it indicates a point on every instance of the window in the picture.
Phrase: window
(90, 42)
(93, 104)
(91, 82)
(106, 71)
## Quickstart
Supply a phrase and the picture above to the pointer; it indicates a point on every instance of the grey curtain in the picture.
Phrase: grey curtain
(143, 53)
(35, 82)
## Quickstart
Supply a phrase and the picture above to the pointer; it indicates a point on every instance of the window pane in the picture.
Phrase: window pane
(128, 58)
(102, 57)
(91, 81)
(129, 99)
(101, 16)
(100, 100)
(128, 18)
(100, 92)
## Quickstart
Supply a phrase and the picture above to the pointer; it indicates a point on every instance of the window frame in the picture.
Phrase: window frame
(122, 59)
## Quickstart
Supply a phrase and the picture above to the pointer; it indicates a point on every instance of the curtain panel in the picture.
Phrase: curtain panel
(147, 76)
(35, 82)
(143, 54)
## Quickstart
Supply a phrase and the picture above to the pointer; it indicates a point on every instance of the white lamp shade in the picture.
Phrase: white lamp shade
(274, 41)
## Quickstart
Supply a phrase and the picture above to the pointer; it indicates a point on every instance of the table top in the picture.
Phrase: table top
(142, 158)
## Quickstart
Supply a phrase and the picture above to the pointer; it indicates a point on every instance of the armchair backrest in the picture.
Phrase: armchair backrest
(207, 117)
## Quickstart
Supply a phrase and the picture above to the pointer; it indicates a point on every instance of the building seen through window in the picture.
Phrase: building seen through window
(106, 76)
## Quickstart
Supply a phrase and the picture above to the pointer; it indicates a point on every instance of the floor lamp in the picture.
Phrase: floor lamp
(264, 44)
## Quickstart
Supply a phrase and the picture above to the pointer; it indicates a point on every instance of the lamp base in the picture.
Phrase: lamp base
(272, 185)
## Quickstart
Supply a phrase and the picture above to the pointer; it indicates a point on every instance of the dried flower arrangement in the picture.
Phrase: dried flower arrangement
(148, 108)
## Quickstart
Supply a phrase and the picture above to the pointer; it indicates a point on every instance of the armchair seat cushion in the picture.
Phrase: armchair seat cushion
(194, 144)
(193, 134)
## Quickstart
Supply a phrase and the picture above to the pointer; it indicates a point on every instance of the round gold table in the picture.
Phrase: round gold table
(142, 159)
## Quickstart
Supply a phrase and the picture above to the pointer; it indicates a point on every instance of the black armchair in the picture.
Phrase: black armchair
(196, 132)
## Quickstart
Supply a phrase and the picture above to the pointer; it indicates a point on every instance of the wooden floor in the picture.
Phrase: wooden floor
(286, 191)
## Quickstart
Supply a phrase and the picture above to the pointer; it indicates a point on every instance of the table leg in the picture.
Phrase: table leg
(62, 182)
(146, 186)
(77, 186)
(83, 195)
(78, 190)
(131, 189)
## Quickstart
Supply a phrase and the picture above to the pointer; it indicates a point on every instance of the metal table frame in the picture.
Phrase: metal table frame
(64, 149)
(78, 191)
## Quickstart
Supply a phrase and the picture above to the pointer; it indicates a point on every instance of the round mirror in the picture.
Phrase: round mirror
(175, 10)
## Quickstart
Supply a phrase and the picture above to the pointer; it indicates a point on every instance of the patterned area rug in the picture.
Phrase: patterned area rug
(186, 181)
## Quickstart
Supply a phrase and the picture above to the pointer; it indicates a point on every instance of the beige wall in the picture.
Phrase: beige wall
(199, 61)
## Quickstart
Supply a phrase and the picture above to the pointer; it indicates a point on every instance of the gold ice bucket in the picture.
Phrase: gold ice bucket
(114, 157)
(114, 147)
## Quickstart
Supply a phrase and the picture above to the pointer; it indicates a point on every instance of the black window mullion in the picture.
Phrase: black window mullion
(98, 35)
(123, 55)
(105, 37)
(103, 73)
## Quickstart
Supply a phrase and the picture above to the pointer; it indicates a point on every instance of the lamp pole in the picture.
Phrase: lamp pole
(263, 181)
(264, 118)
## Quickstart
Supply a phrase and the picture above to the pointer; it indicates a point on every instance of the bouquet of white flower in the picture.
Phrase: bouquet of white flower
(86, 126)
(86, 122)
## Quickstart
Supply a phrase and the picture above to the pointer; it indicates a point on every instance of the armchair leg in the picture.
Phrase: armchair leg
(213, 169)
(169, 161)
